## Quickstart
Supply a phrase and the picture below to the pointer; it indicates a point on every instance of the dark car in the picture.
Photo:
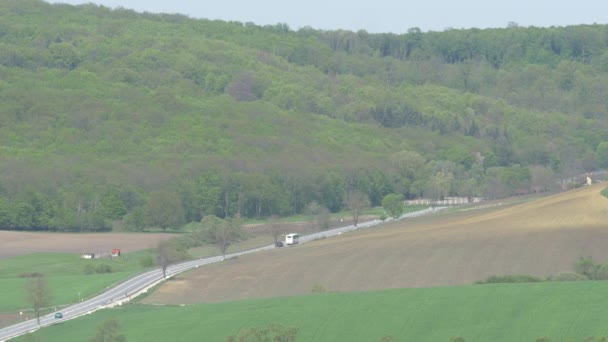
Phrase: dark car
(278, 244)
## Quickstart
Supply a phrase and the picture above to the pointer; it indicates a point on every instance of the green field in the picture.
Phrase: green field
(65, 274)
(497, 312)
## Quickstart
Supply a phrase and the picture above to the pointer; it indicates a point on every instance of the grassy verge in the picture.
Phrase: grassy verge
(605, 192)
(66, 276)
(496, 312)
(212, 250)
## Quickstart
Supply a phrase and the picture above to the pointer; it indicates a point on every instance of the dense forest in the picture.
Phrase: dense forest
(113, 119)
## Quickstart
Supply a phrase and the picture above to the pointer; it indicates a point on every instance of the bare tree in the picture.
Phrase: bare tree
(168, 252)
(163, 256)
(38, 294)
(356, 202)
(542, 179)
(222, 233)
(319, 215)
(274, 227)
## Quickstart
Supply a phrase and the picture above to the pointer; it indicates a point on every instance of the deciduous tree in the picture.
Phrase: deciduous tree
(274, 227)
(356, 202)
(168, 252)
(164, 209)
(221, 233)
(393, 204)
(38, 294)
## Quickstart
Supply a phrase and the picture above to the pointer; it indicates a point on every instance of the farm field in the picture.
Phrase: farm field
(66, 277)
(13, 243)
(497, 312)
(43, 252)
(542, 237)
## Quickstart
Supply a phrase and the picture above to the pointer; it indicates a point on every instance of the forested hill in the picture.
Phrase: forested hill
(117, 118)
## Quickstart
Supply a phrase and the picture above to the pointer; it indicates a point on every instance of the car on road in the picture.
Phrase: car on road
(278, 244)
(58, 315)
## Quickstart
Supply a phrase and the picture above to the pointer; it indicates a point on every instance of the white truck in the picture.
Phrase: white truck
(291, 239)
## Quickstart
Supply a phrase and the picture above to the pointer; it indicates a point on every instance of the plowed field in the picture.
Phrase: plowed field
(21, 243)
(541, 238)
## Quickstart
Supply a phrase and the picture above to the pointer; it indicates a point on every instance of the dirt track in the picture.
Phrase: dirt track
(20, 243)
(541, 238)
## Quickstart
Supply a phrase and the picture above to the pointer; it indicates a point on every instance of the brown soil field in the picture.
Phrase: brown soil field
(19, 243)
(542, 237)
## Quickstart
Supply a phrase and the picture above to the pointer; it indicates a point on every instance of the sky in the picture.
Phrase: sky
(377, 16)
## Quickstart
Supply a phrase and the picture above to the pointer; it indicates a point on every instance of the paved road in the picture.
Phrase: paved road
(132, 287)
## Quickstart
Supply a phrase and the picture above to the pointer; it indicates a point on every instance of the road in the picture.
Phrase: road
(125, 291)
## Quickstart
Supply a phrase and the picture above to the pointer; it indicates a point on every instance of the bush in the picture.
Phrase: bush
(519, 278)
(568, 276)
(318, 289)
(601, 272)
(89, 269)
(587, 267)
(31, 275)
(273, 332)
(103, 268)
(147, 261)
(605, 192)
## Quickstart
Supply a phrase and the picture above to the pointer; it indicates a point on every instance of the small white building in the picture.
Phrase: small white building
(87, 255)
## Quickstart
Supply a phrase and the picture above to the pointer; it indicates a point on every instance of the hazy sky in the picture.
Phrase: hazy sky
(380, 15)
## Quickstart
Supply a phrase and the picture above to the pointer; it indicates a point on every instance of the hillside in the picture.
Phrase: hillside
(107, 117)
(541, 238)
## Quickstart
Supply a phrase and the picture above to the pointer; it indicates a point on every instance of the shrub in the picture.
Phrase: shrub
(89, 269)
(147, 261)
(587, 267)
(30, 275)
(318, 289)
(596, 339)
(103, 268)
(568, 276)
(605, 192)
(519, 278)
(273, 332)
(601, 272)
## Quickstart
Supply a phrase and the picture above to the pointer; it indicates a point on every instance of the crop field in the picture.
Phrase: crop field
(14, 243)
(497, 312)
(542, 237)
(41, 252)
(66, 276)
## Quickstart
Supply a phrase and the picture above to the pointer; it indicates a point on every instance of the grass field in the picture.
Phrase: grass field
(65, 274)
(497, 312)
